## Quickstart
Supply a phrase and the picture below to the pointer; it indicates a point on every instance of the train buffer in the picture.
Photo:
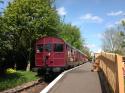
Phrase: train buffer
(77, 80)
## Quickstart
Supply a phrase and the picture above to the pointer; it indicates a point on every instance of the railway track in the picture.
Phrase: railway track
(30, 87)
(34, 89)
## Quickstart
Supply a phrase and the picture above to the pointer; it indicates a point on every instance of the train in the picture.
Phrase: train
(53, 54)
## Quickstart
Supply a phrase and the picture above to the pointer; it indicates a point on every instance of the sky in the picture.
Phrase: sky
(93, 17)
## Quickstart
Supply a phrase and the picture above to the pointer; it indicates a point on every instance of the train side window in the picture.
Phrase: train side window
(66, 47)
(40, 48)
(71, 50)
(48, 47)
(58, 47)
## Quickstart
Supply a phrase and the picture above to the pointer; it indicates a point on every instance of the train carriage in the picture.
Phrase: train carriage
(54, 54)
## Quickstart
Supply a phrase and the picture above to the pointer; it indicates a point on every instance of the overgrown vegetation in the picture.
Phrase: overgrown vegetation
(11, 80)
(22, 23)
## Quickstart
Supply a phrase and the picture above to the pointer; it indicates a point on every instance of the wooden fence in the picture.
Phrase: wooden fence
(112, 66)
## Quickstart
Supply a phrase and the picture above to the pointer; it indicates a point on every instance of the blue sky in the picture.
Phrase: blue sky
(92, 16)
(3, 5)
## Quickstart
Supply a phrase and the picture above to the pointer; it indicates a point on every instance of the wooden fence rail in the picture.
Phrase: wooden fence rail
(112, 66)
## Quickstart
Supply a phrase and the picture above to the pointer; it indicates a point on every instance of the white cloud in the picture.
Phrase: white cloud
(118, 13)
(61, 11)
(92, 18)
(91, 46)
(94, 48)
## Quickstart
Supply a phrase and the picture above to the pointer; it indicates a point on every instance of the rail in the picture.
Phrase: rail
(112, 67)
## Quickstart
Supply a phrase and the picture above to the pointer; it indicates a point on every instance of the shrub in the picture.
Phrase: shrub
(10, 71)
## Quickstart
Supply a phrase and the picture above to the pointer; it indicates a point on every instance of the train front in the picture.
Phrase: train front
(50, 54)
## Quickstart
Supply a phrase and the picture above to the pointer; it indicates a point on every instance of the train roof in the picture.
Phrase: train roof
(75, 48)
(49, 36)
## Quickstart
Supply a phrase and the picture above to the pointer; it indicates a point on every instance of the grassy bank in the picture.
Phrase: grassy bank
(14, 79)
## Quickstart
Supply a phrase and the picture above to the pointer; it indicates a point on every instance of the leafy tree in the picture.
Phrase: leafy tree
(72, 35)
(4, 44)
(27, 20)
(87, 51)
(1, 1)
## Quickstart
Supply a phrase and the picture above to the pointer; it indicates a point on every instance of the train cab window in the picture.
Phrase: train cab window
(58, 47)
(48, 47)
(66, 47)
(40, 48)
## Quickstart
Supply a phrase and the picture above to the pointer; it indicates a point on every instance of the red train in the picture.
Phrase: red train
(55, 55)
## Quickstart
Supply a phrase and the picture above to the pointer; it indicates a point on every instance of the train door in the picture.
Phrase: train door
(47, 54)
(43, 54)
(39, 54)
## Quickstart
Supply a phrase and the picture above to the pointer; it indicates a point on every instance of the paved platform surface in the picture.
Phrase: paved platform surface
(79, 80)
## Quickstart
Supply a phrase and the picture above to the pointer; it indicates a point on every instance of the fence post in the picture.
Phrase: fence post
(120, 74)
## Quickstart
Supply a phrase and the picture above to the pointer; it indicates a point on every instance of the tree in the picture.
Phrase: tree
(112, 40)
(72, 35)
(122, 33)
(87, 51)
(27, 20)
(4, 43)
(1, 1)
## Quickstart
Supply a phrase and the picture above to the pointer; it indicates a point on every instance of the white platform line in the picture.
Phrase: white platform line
(46, 89)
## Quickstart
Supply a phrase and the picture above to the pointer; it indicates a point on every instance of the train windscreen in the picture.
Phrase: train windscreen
(40, 48)
(45, 47)
(48, 47)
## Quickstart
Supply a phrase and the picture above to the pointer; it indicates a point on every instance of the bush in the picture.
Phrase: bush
(10, 71)
(12, 80)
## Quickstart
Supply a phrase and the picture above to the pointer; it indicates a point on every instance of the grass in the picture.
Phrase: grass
(14, 79)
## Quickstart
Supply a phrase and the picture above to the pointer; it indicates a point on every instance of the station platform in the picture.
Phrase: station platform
(78, 80)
